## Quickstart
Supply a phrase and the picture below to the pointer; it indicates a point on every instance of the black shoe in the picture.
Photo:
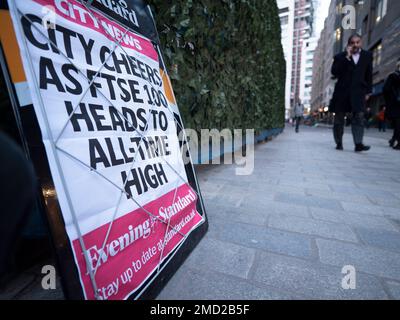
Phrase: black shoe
(361, 147)
(391, 142)
(397, 147)
(339, 146)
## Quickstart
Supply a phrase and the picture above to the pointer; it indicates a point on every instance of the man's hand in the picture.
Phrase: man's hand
(367, 97)
(349, 52)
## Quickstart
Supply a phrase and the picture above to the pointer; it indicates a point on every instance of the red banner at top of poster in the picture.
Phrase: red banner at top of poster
(73, 11)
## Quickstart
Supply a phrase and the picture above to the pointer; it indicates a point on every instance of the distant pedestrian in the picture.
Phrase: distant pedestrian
(381, 116)
(353, 71)
(391, 92)
(298, 113)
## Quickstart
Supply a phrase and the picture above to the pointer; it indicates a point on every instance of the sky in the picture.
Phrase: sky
(321, 13)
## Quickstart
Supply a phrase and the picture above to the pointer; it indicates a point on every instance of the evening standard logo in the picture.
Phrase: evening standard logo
(121, 8)
(98, 256)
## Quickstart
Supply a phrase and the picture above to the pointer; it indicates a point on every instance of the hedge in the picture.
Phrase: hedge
(225, 60)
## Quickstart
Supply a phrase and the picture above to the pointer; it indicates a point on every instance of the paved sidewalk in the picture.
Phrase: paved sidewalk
(287, 231)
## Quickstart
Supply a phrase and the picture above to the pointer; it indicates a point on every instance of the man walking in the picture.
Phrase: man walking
(391, 91)
(298, 113)
(353, 71)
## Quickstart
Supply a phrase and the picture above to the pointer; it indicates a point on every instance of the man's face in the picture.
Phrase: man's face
(355, 44)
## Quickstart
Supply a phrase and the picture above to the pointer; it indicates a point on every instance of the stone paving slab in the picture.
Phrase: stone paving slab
(378, 262)
(313, 227)
(354, 219)
(274, 207)
(348, 197)
(261, 238)
(373, 192)
(249, 215)
(370, 209)
(192, 284)
(380, 238)
(314, 280)
(386, 202)
(224, 257)
(309, 201)
(394, 289)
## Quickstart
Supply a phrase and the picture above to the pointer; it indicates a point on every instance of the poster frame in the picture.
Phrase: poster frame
(67, 268)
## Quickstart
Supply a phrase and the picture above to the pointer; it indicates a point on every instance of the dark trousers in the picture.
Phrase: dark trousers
(357, 127)
(298, 119)
(382, 126)
(396, 132)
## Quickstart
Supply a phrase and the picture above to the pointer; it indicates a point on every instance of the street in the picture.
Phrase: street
(287, 231)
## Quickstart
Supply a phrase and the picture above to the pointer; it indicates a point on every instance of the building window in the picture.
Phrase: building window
(284, 20)
(377, 55)
(283, 10)
(381, 10)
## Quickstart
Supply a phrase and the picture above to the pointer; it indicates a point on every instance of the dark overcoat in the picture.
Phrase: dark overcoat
(391, 92)
(354, 82)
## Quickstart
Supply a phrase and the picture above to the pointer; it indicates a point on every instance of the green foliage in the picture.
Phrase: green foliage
(225, 60)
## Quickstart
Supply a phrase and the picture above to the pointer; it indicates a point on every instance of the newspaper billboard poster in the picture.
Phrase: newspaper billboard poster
(106, 113)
